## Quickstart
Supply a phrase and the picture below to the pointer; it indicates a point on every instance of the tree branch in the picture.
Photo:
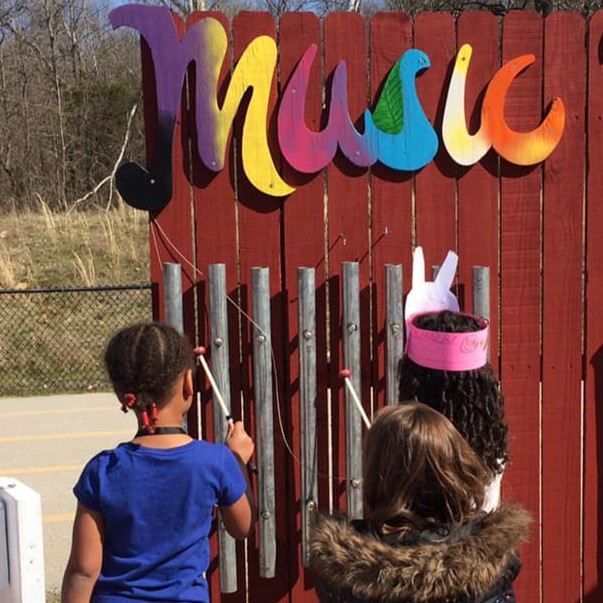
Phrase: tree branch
(111, 176)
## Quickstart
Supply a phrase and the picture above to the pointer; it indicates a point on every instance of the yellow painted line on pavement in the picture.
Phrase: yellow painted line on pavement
(58, 517)
(50, 469)
(64, 436)
(57, 411)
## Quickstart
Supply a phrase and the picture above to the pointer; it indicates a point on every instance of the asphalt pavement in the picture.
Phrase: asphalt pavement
(44, 443)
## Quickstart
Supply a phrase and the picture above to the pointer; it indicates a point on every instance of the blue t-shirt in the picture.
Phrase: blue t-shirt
(157, 505)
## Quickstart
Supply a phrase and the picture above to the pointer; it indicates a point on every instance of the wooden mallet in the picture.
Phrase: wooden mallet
(200, 355)
(345, 375)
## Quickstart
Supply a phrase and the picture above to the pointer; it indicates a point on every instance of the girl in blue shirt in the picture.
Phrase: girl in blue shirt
(145, 508)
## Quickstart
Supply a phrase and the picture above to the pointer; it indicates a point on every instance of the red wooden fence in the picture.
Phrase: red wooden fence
(540, 229)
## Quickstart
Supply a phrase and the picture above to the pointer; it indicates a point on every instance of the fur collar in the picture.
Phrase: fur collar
(368, 568)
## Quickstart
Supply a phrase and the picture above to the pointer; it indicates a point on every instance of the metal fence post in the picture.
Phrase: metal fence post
(172, 295)
(394, 331)
(481, 291)
(172, 300)
(306, 339)
(353, 420)
(218, 319)
(262, 378)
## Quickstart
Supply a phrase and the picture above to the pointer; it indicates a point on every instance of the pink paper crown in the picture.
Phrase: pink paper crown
(448, 351)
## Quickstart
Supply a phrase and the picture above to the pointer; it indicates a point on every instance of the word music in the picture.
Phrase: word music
(397, 133)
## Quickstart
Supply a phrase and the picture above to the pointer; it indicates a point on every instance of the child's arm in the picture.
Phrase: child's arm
(86, 557)
(240, 517)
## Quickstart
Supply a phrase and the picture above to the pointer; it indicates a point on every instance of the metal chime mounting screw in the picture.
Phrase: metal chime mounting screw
(218, 342)
(262, 338)
(308, 334)
(355, 483)
(311, 505)
(352, 327)
(266, 515)
(395, 327)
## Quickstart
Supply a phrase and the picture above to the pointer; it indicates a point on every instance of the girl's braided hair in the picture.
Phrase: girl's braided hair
(472, 400)
(145, 359)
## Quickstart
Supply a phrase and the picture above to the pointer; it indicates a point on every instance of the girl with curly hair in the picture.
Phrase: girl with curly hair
(446, 367)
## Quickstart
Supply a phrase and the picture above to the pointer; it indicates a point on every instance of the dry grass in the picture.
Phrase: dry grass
(88, 248)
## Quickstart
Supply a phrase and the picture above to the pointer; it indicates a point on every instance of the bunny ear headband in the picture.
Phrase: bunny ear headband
(436, 349)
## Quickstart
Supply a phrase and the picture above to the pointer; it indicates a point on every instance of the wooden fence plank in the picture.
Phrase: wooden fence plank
(520, 292)
(348, 225)
(214, 217)
(215, 224)
(391, 191)
(564, 69)
(435, 203)
(477, 186)
(304, 245)
(259, 219)
(171, 236)
(593, 413)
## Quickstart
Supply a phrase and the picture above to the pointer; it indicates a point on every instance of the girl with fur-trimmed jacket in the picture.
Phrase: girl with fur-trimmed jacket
(424, 539)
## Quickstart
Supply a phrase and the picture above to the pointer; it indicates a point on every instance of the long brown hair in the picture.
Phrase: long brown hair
(419, 471)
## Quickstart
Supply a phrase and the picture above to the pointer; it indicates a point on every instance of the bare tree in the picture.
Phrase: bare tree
(68, 84)
(498, 7)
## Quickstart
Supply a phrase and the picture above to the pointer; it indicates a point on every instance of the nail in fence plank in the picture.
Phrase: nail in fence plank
(353, 419)
(394, 332)
(218, 318)
(262, 385)
(307, 393)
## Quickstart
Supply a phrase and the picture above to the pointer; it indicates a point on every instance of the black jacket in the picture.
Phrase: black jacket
(475, 563)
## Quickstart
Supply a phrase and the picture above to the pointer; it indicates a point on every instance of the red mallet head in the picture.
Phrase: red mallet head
(345, 373)
(199, 351)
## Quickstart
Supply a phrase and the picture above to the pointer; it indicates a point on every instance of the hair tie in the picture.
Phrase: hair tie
(154, 413)
(130, 402)
(146, 424)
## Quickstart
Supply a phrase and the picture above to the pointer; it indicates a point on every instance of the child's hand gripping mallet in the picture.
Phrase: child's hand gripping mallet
(200, 355)
(345, 375)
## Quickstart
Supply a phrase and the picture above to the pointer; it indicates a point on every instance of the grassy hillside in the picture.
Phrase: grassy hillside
(80, 249)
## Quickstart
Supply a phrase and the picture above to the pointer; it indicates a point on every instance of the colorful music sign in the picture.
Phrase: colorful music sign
(397, 133)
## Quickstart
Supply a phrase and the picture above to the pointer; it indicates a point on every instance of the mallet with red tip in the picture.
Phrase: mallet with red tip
(200, 355)
(345, 375)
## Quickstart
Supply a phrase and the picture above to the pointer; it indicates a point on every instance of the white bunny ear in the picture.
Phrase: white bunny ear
(418, 268)
(431, 296)
(447, 271)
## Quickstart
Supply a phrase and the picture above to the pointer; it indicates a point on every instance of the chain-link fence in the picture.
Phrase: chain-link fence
(52, 340)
